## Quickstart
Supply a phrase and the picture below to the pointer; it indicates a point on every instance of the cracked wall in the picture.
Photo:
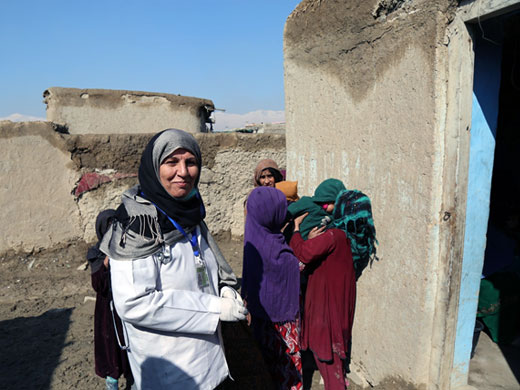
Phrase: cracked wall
(226, 177)
(54, 185)
(364, 104)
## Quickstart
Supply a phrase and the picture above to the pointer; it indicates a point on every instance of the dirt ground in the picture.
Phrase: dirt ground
(46, 325)
(46, 319)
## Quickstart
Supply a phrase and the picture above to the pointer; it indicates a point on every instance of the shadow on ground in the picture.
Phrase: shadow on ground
(511, 355)
(30, 349)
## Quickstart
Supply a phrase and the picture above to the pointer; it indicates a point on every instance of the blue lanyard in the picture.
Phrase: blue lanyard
(192, 240)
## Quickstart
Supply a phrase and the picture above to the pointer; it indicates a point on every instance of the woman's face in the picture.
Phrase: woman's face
(266, 178)
(178, 173)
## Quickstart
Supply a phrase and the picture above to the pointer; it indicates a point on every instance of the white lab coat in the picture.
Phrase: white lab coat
(171, 324)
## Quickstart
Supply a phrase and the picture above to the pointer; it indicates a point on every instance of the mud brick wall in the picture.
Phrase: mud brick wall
(53, 184)
(103, 111)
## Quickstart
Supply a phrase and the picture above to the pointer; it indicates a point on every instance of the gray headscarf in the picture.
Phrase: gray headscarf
(170, 140)
(141, 230)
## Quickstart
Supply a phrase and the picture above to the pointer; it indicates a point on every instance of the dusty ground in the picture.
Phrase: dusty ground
(46, 319)
(46, 324)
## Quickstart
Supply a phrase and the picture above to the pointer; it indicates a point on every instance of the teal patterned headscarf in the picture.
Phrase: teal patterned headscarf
(353, 215)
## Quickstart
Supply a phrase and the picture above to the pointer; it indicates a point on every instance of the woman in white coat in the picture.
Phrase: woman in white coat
(171, 285)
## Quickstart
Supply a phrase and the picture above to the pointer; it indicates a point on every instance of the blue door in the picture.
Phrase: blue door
(486, 85)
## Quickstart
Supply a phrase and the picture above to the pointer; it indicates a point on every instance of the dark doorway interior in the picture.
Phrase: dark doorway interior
(499, 298)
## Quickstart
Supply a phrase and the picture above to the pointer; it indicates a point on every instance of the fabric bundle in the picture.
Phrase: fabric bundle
(316, 214)
(352, 213)
(328, 191)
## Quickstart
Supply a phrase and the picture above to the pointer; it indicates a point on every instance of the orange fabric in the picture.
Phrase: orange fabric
(290, 189)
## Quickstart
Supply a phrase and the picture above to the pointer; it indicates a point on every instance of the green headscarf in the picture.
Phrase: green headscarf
(306, 205)
(328, 191)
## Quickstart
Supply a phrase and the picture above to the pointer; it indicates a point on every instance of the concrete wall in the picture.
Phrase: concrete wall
(104, 111)
(53, 185)
(373, 97)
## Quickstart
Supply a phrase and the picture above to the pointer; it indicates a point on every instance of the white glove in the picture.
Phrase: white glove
(230, 292)
(232, 310)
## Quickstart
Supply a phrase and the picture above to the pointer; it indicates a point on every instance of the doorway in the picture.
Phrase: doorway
(498, 310)
(493, 182)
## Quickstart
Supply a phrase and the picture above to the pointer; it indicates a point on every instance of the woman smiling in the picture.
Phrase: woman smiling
(171, 284)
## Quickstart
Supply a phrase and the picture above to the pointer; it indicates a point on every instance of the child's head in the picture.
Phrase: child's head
(327, 192)
(103, 222)
(328, 207)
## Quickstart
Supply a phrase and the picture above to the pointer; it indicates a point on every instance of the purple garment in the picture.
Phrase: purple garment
(270, 276)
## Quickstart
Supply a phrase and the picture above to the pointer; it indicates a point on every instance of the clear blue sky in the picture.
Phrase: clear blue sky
(227, 51)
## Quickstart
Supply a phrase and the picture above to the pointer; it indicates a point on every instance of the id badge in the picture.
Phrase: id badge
(202, 275)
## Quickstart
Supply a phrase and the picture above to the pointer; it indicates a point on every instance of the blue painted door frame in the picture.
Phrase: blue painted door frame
(486, 85)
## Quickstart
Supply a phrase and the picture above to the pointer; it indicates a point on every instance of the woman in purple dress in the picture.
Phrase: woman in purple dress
(271, 285)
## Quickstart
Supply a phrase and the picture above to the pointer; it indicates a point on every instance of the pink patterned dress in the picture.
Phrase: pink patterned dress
(280, 346)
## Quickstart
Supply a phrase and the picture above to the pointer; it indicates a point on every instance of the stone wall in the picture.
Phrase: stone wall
(367, 102)
(53, 185)
(105, 111)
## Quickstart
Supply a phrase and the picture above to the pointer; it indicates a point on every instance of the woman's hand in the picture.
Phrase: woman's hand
(232, 310)
(315, 232)
(231, 293)
(248, 316)
(298, 220)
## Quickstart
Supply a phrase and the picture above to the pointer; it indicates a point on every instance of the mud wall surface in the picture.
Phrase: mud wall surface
(36, 176)
(364, 105)
(53, 185)
(103, 111)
